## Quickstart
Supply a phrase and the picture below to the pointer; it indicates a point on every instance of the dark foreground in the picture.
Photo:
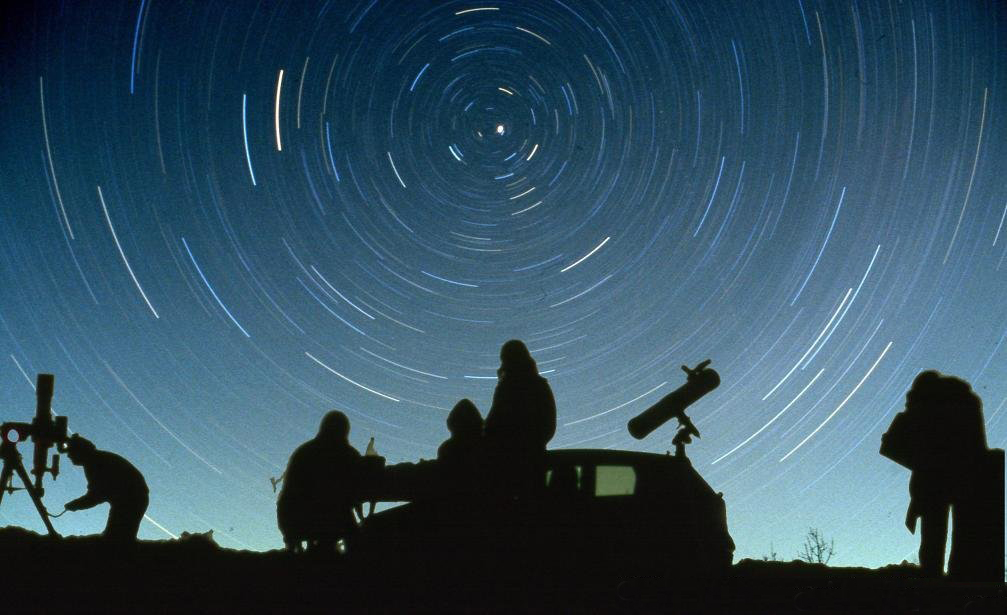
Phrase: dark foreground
(77, 574)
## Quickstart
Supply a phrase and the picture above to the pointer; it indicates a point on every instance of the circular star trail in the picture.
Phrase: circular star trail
(221, 219)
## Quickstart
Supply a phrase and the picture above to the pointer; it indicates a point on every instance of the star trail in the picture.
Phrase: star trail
(220, 220)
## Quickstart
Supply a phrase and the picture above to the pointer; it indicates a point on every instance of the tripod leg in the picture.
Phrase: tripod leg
(19, 468)
(4, 479)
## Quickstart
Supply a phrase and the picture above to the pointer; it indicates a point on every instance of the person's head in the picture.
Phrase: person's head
(951, 406)
(334, 427)
(515, 359)
(79, 449)
(465, 420)
(962, 414)
(934, 389)
(925, 391)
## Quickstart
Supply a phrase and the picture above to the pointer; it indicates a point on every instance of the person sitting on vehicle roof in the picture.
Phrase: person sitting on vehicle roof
(461, 456)
(521, 420)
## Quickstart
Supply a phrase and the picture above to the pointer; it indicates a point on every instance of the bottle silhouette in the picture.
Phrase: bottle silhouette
(371, 452)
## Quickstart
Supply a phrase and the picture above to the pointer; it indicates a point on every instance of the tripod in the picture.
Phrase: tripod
(12, 463)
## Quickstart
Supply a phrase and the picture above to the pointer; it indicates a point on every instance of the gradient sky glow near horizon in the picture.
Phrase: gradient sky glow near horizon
(219, 220)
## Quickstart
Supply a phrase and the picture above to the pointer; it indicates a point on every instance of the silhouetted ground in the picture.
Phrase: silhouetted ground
(193, 574)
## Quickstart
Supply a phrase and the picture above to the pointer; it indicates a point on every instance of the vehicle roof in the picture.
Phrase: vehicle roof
(610, 456)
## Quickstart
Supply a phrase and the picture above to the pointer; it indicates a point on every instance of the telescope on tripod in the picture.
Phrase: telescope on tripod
(45, 431)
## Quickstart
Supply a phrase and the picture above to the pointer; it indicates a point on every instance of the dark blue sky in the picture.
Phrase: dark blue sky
(221, 219)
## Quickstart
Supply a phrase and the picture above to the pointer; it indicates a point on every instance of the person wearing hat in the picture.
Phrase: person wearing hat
(112, 479)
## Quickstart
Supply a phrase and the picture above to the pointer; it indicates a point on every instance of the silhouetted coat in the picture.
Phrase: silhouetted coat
(520, 423)
(523, 415)
(112, 479)
(941, 438)
(462, 456)
(319, 492)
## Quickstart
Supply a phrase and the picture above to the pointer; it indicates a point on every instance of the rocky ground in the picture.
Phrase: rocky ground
(193, 574)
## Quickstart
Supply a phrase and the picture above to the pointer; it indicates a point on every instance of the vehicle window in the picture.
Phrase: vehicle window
(614, 480)
(564, 479)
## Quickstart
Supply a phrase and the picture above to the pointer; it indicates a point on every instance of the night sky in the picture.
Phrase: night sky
(219, 220)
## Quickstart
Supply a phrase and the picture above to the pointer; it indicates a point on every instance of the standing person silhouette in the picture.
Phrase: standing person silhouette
(941, 437)
(521, 420)
(320, 489)
(112, 479)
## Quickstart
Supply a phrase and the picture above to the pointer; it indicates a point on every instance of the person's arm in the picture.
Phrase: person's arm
(549, 407)
(88, 500)
(491, 425)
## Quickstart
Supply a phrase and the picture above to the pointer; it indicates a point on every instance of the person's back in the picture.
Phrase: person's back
(116, 480)
(320, 487)
(298, 507)
(523, 413)
(461, 457)
(111, 479)
(941, 437)
(521, 420)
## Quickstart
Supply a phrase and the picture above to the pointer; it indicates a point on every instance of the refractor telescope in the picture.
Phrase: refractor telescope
(45, 431)
(700, 380)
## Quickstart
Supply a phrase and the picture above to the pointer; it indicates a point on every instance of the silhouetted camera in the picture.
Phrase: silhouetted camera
(45, 430)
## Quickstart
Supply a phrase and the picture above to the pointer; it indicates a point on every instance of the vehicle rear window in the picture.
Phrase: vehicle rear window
(614, 480)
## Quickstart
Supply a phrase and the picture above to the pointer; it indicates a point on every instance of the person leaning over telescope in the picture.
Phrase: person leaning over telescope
(112, 479)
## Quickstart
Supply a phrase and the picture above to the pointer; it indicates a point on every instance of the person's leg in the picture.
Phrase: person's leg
(120, 522)
(124, 520)
(133, 522)
(933, 539)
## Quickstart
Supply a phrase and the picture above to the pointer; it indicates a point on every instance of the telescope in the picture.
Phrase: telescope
(700, 380)
(45, 431)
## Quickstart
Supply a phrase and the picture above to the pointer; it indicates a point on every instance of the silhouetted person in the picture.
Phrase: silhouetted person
(941, 437)
(462, 455)
(521, 420)
(112, 479)
(320, 488)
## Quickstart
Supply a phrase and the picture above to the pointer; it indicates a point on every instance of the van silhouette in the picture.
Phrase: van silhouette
(596, 515)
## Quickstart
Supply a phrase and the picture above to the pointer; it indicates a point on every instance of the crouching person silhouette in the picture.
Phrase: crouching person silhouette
(112, 479)
(320, 489)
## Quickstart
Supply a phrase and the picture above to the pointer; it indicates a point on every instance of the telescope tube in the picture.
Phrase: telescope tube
(42, 427)
(701, 381)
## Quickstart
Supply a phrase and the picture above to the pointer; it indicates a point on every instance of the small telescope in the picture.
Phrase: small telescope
(700, 380)
(45, 431)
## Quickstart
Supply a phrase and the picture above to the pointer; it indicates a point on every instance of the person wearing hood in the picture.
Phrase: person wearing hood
(521, 420)
(462, 455)
(320, 490)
